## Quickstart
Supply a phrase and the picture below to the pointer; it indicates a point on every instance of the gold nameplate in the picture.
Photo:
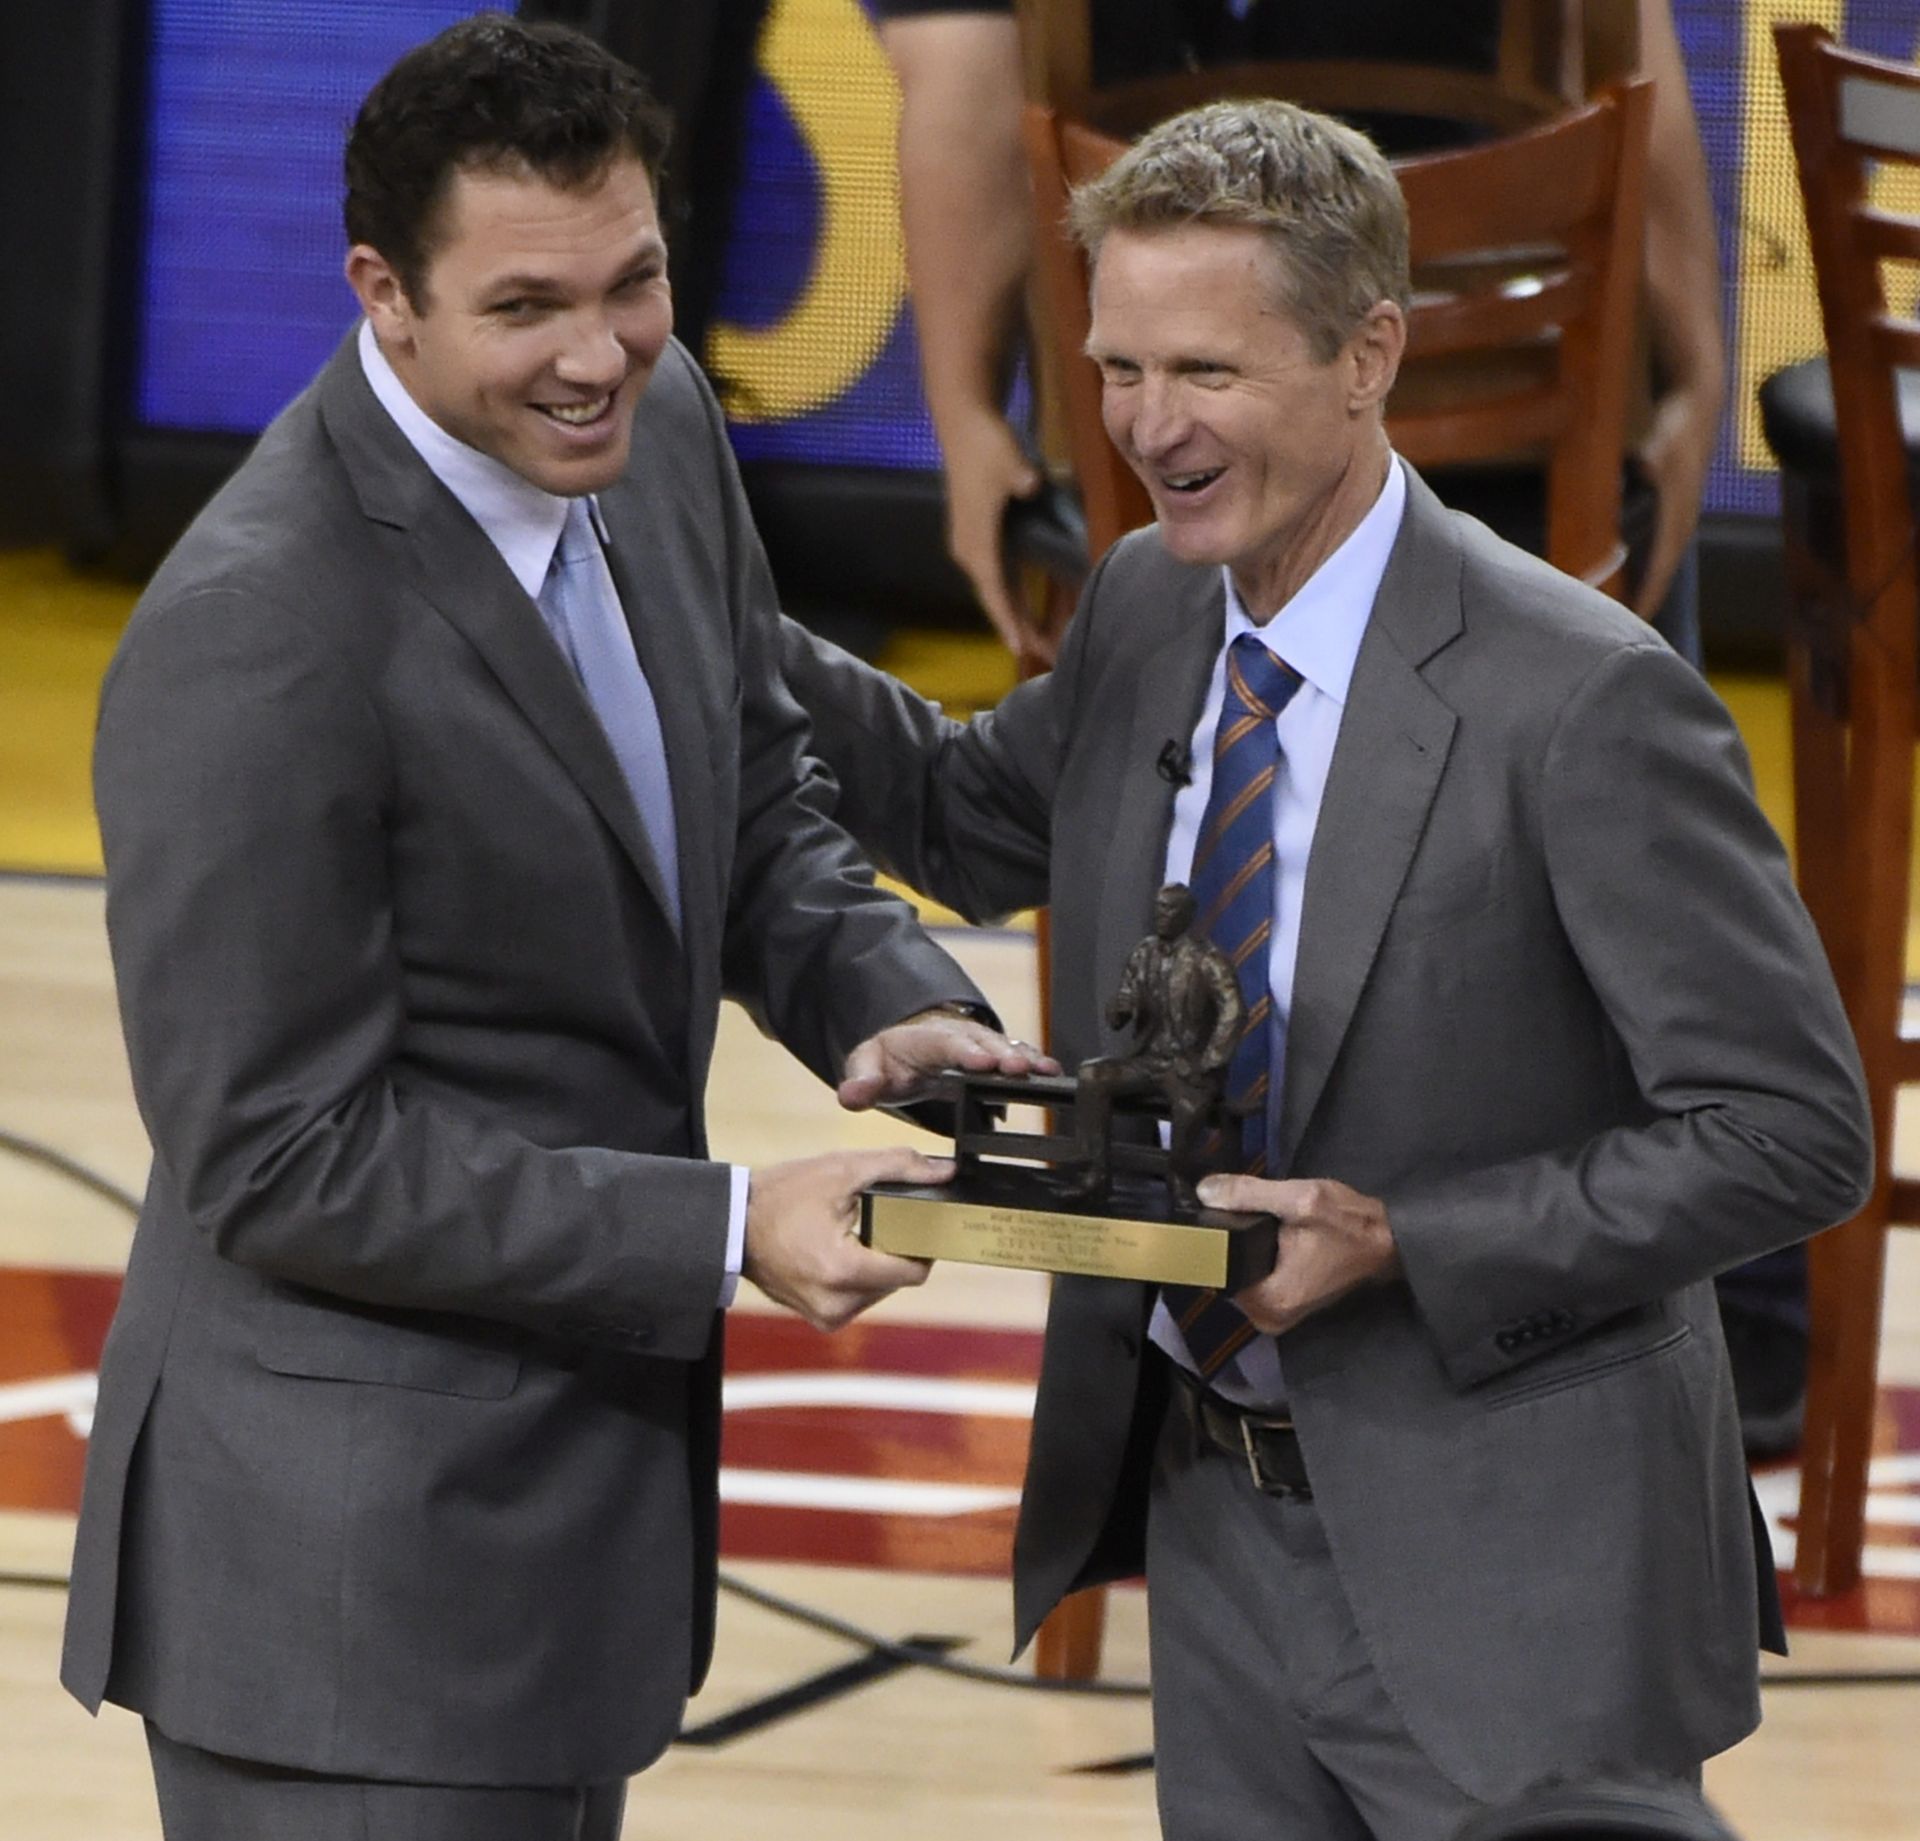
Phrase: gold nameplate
(957, 1222)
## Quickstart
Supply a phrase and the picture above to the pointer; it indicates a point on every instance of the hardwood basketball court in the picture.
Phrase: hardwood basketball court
(869, 1476)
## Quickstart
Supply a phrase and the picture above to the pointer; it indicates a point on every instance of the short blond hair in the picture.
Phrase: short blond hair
(1322, 193)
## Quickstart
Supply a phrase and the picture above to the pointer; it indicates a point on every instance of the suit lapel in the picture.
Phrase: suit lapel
(1170, 686)
(1392, 749)
(455, 569)
(489, 607)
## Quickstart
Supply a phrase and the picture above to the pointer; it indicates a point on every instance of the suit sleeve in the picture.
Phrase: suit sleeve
(962, 812)
(245, 795)
(1675, 896)
(1232, 1013)
(817, 954)
(1127, 998)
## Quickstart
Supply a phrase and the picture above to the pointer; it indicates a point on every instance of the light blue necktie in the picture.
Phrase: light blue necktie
(1233, 882)
(582, 611)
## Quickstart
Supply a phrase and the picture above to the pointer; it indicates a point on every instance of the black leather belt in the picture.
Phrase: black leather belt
(1265, 1442)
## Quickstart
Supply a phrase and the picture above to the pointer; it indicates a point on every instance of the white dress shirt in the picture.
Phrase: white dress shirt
(522, 521)
(1318, 633)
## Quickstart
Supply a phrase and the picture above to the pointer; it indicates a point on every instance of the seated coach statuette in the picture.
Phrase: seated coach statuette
(1181, 996)
(1113, 1195)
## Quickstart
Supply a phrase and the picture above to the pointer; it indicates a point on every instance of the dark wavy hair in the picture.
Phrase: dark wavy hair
(491, 93)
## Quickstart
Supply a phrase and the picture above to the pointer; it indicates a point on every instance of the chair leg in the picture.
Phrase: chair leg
(1050, 602)
(1067, 1647)
(1819, 750)
(1847, 1268)
(1847, 1265)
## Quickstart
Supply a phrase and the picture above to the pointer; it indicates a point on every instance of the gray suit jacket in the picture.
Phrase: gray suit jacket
(1557, 1003)
(404, 1462)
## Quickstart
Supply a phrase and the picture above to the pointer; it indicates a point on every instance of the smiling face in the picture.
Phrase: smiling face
(1255, 452)
(542, 315)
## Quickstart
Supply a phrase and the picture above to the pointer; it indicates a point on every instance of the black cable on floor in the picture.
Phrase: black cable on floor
(1845, 1678)
(918, 1655)
(35, 1152)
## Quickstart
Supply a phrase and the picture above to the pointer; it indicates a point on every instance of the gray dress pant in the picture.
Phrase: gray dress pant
(207, 1797)
(1268, 1717)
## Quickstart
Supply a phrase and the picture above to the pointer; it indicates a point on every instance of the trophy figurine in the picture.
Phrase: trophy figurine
(1182, 997)
(1094, 1199)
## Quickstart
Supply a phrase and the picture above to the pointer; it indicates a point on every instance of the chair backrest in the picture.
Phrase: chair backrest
(1526, 254)
(1551, 53)
(1851, 117)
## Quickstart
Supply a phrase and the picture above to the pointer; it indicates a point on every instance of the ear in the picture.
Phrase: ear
(383, 299)
(1374, 350)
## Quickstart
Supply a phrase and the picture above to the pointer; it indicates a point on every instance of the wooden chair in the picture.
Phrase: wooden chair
(1526, 252)
(1552, 54)
(1521, 341)
(1850, 530)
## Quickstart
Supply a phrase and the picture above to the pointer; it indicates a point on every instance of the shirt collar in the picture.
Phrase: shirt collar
(1319, 631)
(521, 520)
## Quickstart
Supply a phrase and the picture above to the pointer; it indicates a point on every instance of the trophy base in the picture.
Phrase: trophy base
(1028, 1217)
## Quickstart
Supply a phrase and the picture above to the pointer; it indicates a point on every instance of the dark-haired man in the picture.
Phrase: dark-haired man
(446, 786)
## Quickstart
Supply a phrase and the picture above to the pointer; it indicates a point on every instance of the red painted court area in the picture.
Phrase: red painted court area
(892, 1446)
(52, 1328)
(887, 1445)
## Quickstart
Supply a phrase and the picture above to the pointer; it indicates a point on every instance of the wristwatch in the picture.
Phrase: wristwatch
(962, 1008)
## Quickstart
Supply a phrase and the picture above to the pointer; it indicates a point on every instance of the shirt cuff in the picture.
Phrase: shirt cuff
(736, 1235)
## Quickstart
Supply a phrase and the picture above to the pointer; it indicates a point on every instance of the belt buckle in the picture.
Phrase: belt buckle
(1251, 1424)
(1253, 1452)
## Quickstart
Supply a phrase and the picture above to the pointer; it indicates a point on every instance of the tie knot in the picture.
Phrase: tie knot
(1262, 683)
(576, 540)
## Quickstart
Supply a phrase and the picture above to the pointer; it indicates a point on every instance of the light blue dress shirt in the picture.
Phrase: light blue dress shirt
(522, 521)
(1318, 633)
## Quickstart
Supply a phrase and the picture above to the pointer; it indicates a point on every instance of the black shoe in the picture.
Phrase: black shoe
(1769, 1382)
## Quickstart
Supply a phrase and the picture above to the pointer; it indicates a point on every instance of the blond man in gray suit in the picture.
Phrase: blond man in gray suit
(1546, 1040)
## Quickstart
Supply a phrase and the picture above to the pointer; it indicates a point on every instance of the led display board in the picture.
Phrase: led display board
(1773, 313)
(249, 101)
(242, 297)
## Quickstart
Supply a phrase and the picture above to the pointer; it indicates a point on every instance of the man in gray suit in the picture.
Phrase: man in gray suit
(447, 783)
(1545, 1040)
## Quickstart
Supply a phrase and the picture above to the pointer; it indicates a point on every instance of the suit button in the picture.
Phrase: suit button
(1506, 1341)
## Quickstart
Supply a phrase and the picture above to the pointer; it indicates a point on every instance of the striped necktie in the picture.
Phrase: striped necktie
(1232, 881)
(582, 610)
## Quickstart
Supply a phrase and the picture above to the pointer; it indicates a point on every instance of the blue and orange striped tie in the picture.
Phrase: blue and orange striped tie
(1232, 883)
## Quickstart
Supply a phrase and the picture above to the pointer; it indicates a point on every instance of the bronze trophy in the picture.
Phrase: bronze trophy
(1090, 1198)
